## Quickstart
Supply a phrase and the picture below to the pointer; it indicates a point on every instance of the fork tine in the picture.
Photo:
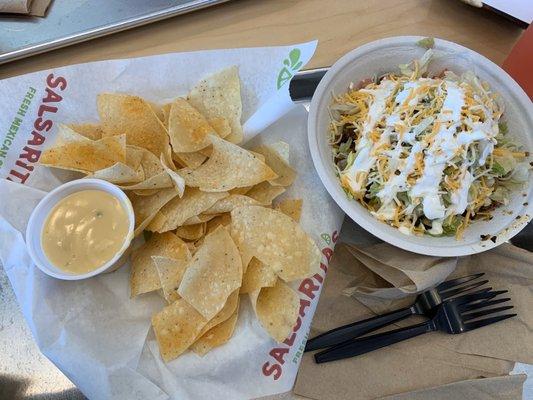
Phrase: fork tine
(482, 313)
(487, 321)
(458, 281)
(482, 304)
(479, 295)
(453, 292)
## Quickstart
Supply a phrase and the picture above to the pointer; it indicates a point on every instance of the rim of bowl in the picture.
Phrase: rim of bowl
(45, 206)
(333, 188)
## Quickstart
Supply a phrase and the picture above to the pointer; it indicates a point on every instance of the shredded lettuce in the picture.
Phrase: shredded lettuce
(348, 193)
(451, 224)
(344, 148)
(491, 183)
(447, 199)
(407, 69)
(502, 126)
(403, 197)
(505, 162)
(426, 43)
(498, 169)
(350, 159)
(373, 190)
(500, 195)
(520, 173)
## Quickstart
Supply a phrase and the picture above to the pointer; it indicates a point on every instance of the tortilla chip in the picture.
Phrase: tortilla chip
(230, 166)
(191, 246)
(159, 181)
(258, 155)
(176, 179)
(118, 174)
(176, 327)
(158, 110)
(221, 126)
(165, 111)
(199, 242)
(90, 131)
(146, 207)
(145, 192)
(134, 157)
(264, 193)
(276, 240)
(286, 175)
(216, 336)
(158, 175)
(87, 155)
(191, 232)
(291, 207)
(187, 128)
(190, 160)
(170, 272)
(157, 222)
(143, 273)
(133, 116)
(214, 272)
(130, 173)
(229, 203)
(66, 135)
(282, 148)
(277, 309)
(199, 219)
(229, 308)
(219, 96)
(219, 220)
(207, 151)
(241, 190)
(179, 210)
(150, 163)
(257, 276)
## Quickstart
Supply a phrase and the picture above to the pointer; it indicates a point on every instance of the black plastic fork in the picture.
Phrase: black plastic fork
(425, 304)
(458, 315)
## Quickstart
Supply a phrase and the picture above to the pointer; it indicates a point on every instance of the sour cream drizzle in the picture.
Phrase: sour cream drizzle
(438, 149)
(364, 160)
(409, 96)
(444, 147)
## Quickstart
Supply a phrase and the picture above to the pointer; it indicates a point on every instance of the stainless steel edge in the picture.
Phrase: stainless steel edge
(108, 29)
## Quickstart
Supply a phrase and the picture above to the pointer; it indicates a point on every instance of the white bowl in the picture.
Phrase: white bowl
(384, 56)
(40, 213)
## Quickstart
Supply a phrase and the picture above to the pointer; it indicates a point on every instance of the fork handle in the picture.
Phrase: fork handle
(367, 344)
(356, 329)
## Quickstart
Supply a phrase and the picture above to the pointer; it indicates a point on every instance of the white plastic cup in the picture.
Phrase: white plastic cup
(40, 213)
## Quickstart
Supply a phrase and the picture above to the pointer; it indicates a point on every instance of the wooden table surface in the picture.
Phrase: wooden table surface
(339, 25)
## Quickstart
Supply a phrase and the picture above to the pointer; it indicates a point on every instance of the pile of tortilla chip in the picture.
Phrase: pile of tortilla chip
(207, 206)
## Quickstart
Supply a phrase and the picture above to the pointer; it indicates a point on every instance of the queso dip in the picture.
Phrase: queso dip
(84, 231)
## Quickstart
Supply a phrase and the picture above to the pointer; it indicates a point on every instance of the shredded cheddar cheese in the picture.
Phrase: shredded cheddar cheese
(422, 150)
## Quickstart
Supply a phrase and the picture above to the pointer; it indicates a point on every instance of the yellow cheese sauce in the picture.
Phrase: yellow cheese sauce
(84, 231)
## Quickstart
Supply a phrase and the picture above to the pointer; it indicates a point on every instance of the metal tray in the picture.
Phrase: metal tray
(73, 21)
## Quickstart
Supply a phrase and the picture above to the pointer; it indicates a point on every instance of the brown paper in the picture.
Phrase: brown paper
(511, 268)
(505, 267)
(501, 388)
(36, 8)
(406, 272)
(15, 6)
(427, 362)
(39, 7)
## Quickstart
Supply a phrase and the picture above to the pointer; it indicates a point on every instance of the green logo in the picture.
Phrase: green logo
(291, 65)
(326, 238)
